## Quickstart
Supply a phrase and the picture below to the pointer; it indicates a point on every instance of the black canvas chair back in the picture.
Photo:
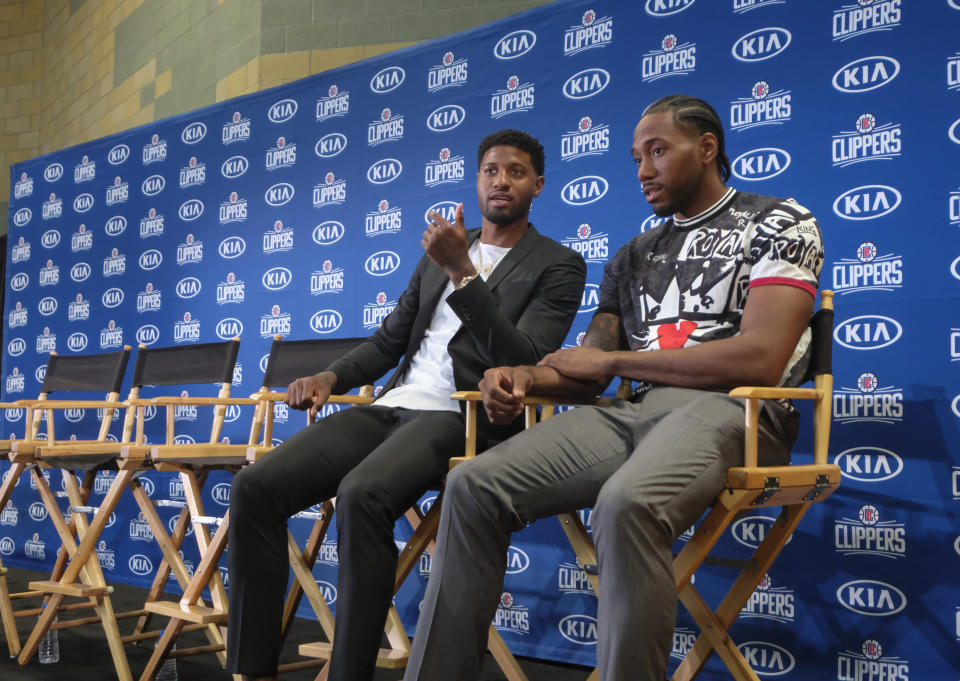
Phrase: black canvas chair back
(184, 364)
(289, 360)
(103, 372)
(821, 344)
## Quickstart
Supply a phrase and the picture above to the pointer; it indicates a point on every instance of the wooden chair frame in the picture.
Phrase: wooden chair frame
(793, 487)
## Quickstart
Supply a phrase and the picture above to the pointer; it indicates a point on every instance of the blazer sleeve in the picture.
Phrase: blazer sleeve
(542, 325)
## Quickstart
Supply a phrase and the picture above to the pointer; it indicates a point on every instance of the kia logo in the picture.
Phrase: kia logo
(586, 83)
(80, 272)
(74, 415)
(751, 530)
(118, 154)
(762, 44)
(579, 629)
(150, 260)
(47, 306)
(387, 80)
(148, 334)
(112, 297)
(37, 511)
(767, 659)
(279, 194)
(153, 185)
(591, 298)
(868, 332)
(139, 564)
(234, 167)
(663, 8)
(384, 171)
(184, 440)
(651, 222)
(760, 164)
(16, 347)
(954, 132)
(448, 209)
(869, 464)
(872, 598)
(382, 263)
(328, 590)
(329, 232)
(232, 247)
(229, 328)
(22, 217)
(282, 111)
(232, 413)
(77, 341)
(517, 560)
(50, 238)
(221, 493)
(115, 225)
(867, 73)
(188, 287)
(53, 172)
(330, 145)
(868, 202)
(193, 133)
(515, 44)
(445, 118)
(190, 210)
(326, 321)
(83, 203)
(584, 190)
(19, 281)
(7, 546)
(276, 278)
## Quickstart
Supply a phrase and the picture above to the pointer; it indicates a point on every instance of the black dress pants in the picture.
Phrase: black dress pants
(377, 461)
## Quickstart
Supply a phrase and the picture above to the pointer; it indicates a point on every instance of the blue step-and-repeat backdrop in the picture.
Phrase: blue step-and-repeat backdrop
(299, 211)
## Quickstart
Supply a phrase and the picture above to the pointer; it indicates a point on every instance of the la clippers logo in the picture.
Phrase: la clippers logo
(870, 663)
(868, 535)
(382, 263)
(374, 313)
(760, 164)
(865, 74)
(336, 103)
(193, 133)
(571, 579)
(867, 142)
(190, 251)
(761, 44)
(151, 225)
(330, 145)
(511, 616)
(23, 187)
(112, 336)
(49, 275)
(148, 334)
(150, 299)
(151, 260)
(445, 118)
(18, 316)
(332, 192)
(743, 6)
(234, 167)
(872, 598)
(384, 171)
(232, 247)
(20, 251)
(279, 239)
(16, 381)
(282, 111)
(869, 16)
(83, 203)
(79, 309)
(672, 59)
(279, 194)
(118, 154)
(867, 202)
(186, 330)
(276, 278)
(579, 629)
(284, 155)
(232, 290)
(752, 530)
(81, 240)
(275, 323)
(52, 208)
(53, 172)
(869, 464)
(589, 139)
(46, 343)
(140, 565)
(590, 299)
(234, 209)
(155, 150)
(190, 210)
(327, 233)
(229, 328)
(112, 297)
(22, 217)
(35, 548)
(387, 80)
(326, 321)
(592, 32)
(869, 271)
(194, 174)
(447, 169)
(384, 220)
(188, 287)
(237, 129)
(584, 190)
(664, 8)
(515, 44)
(771, 602)
(387, 128)
(594, 247)
(450, 72)
(868, 332)
(118, 192)
(767, 659)
(586, 83)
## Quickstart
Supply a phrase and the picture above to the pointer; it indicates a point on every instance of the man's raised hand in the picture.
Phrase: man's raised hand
(446, 245)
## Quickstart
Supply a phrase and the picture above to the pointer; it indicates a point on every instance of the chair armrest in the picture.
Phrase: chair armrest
(762, 393)
(71, 404)
(333, 399)
(200, 401)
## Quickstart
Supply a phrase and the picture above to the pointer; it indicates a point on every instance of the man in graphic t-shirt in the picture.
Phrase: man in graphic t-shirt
(501, 294)
(717, 296)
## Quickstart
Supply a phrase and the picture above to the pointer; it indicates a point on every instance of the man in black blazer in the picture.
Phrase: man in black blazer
(499, 295)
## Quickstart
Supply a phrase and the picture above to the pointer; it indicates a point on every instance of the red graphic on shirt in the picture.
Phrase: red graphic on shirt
(670, 337)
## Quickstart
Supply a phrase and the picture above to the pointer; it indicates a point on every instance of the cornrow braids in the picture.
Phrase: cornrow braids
(695, 114)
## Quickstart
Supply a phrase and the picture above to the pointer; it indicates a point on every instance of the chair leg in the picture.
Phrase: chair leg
(6, 606)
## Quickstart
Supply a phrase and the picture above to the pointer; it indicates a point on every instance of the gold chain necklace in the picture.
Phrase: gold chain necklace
(485, 270)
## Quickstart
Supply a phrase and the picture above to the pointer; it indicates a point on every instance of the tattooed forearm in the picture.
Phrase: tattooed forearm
(605, 332)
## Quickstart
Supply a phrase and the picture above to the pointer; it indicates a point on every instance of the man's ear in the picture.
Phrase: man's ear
(708, 147)
(538, 185)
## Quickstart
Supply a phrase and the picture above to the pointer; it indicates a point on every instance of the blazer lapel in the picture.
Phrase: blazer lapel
(520, 251)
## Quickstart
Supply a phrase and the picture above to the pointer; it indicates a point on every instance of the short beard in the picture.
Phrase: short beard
(502, 219)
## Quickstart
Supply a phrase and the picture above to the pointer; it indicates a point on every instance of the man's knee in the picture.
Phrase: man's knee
(618, 508)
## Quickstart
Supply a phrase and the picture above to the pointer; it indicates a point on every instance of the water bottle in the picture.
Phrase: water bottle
(49, 650)
(168, 670)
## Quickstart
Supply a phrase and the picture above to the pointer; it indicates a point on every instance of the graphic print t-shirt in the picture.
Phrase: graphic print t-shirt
(686, 282)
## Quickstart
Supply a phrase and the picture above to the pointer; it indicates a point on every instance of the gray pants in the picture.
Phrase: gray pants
(649, 469)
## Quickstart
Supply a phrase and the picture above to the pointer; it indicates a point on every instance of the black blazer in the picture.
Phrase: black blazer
(521, 313)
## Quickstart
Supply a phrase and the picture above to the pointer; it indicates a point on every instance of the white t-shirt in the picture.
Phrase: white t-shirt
(428, 383)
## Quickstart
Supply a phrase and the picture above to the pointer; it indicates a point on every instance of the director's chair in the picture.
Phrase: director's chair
(287, 361)
(182, 365)
(103, 372)
(793, 487)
